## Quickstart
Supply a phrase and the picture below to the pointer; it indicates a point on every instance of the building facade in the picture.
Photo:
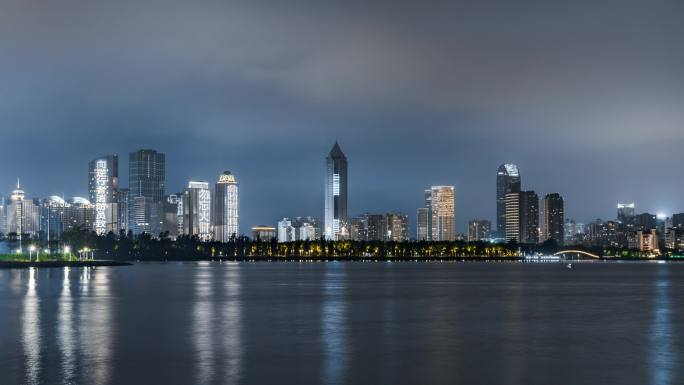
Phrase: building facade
(522, 217)
(264, 233)
(335, 194)
(479, 230)
(423, 224)
(197, 210)
(397, 227)
(507, 181)
(52, 214)
(225, 217)
(298, 229)
(23, 215)
(625, 213)
(147, 186)
(553, 218)
(103, 186)
(442, 213)
(3, 216)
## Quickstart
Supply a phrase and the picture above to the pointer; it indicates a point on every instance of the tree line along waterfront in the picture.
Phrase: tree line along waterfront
(80, 244)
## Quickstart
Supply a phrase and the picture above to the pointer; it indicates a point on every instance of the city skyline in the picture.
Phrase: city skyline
(414, 98)
(119, 188)
(461, 222)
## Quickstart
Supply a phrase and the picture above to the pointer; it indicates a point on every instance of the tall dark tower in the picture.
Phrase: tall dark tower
(553, 219)
(146, 184)
(335, 193)
(507, 181)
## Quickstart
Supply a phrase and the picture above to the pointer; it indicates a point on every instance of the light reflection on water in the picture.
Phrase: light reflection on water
(442, 324)
(663, 355)
(95, 325)
(232, 325)
(203, 318)
(66, 331)
(334, 323)
(31, 333)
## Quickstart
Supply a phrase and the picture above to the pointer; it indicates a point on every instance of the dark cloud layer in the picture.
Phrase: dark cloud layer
(588, 97)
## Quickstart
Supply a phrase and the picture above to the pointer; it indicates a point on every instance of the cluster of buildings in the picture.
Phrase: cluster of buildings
(211, 212)
(337, 224)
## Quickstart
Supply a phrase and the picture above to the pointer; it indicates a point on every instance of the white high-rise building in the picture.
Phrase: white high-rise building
(23, 215)
(225, 218)
(103, 185)
(442, 212)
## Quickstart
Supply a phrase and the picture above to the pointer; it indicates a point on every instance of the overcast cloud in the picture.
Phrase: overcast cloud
(587, 97)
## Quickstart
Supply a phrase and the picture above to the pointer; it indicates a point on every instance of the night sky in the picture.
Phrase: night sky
(586, 97)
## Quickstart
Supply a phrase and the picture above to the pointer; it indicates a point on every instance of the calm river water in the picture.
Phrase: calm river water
(344, 323)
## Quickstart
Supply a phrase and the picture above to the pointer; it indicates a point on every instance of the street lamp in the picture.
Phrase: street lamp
(32, 248)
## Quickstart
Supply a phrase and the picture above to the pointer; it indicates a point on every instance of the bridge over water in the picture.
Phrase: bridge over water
(577, 254)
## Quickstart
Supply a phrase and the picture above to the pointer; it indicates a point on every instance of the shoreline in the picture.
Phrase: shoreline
(58, 264)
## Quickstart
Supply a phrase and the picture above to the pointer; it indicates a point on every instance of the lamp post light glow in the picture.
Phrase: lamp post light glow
(31, 250)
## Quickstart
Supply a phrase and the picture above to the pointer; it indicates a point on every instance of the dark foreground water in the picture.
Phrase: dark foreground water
(344, 323)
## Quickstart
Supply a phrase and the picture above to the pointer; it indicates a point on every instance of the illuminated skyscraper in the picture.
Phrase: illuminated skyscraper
(146, 184)
(522, 217)
(197, 210)
(103, 186)
(553, 218)
(335, 194)
(625, 213)
(23, 215)
(3, 215)
(507, 181)
(225, 217)
(397, 227)
(442, 213)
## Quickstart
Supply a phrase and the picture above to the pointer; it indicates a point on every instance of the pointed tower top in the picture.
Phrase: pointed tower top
(18, 185)
(336, 151)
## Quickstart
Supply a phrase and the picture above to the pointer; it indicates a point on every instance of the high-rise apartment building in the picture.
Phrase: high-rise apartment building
(23, 215)
(3, 216)
(644, 221)
(147, 186)
(197, 210)
(479, 230)
(52, 215)
(79, 214)
(522, 217)
(335, 194)
(442, 210)
(225, 217)
(678, 221)
(397, 227)
(423, 224)
(553, 219)
(103, 186)
(507, 181)
(169, 217)
(298, 229)
(122, 210)
(625, 213)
